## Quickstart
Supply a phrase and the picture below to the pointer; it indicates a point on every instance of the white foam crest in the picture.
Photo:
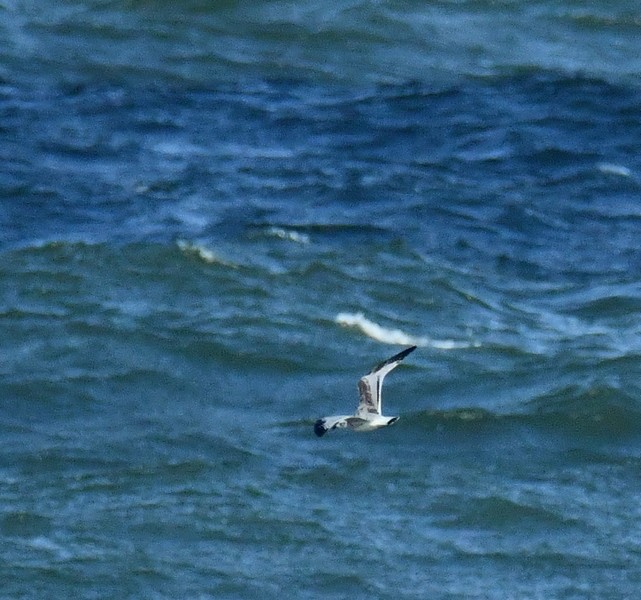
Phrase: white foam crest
(393, 336)
(204, 254)
(614, 169)
(288, 234)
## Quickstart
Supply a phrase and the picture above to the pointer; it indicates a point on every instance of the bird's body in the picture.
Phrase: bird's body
(368, 415)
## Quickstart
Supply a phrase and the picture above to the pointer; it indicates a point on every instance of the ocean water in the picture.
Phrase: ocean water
(216, 216)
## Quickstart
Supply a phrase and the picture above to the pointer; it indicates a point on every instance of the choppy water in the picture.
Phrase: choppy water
(215, 218)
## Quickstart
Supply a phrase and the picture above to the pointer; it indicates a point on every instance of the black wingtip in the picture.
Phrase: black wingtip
(319, 428)
(401, 355)
(404, 353)
(396, 358)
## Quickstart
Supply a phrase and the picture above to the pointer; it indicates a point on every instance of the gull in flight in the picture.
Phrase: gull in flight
(368, 414)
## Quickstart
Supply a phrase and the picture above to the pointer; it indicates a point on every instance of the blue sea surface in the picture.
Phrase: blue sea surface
(216, 217)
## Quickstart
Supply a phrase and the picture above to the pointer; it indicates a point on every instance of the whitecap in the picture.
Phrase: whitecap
(289, 234)
(178, 148)
(203, 253)
(393, 336)
(613, 169)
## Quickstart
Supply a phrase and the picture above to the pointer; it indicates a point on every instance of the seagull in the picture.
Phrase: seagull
(368, 414)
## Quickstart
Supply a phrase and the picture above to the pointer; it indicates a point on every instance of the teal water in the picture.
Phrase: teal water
(216, 219)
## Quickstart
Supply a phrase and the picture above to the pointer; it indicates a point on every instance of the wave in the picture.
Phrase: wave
(597, 411)
(288, 234)
(204, 254)
(394, 336)
(614, 169)
(499, 512)
(302, 232)
(329, 33)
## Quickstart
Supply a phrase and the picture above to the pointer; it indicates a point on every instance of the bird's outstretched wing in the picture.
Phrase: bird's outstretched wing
(369, 386)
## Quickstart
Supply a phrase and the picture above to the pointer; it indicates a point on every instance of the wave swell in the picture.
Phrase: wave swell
(399, 337)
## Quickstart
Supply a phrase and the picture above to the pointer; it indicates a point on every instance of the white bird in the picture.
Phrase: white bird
(368, 414)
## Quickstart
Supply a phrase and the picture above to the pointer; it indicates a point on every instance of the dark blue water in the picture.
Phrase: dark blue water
(215, 218)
